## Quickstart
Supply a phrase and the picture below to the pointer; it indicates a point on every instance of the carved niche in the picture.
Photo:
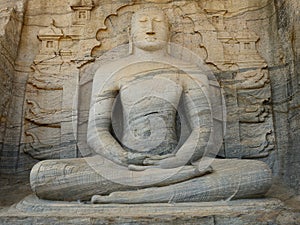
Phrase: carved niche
(58, 90)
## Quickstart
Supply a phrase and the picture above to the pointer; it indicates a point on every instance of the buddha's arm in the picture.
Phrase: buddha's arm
(199, 118)
(99, 137)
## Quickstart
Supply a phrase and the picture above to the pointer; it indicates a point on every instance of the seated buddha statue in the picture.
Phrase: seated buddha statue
(151, 127)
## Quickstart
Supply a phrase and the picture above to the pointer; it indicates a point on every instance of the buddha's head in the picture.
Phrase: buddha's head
(149, 29)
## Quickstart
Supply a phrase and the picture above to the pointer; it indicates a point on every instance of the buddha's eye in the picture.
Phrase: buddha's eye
(157, 19)
(143, 19)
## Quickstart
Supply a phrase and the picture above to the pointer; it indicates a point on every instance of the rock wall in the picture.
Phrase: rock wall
(285, 83)
(11, 22)
(251, 46)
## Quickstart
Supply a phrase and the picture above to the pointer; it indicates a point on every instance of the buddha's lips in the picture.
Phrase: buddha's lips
(151, 39)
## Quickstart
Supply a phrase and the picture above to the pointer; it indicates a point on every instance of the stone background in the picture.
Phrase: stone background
(27, 100)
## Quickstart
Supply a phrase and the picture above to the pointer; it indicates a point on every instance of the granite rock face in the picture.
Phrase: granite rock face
(58, 52)
(50, 50)
(155, 124)
(239, 212)
(11, 23)
(286, 99)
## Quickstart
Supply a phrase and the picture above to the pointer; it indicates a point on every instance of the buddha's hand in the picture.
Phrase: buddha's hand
(136, 158)
(148, 161)
(164, 161)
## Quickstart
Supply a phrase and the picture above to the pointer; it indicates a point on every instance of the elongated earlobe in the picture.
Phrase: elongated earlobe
(130, 50)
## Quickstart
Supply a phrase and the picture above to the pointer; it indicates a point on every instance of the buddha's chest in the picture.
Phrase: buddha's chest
(149, 115)
(148, 95)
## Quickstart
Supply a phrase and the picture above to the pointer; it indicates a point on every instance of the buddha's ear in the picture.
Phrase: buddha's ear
(169, 39)
(130, 50)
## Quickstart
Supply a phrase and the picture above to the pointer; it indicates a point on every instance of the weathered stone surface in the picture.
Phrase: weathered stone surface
(47, 62)
(211, 29)
(32, 211)
(11, 22)
(217, 28)
(156, 121)
(286, 90)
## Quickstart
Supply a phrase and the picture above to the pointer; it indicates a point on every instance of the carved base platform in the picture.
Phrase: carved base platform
(31, 210)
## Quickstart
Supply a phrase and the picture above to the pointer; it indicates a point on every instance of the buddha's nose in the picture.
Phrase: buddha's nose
(150, 30)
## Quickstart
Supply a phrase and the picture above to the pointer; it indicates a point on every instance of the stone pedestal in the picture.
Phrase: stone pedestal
(32, 210)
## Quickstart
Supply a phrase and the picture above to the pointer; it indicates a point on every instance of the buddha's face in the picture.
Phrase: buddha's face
(149, 29)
